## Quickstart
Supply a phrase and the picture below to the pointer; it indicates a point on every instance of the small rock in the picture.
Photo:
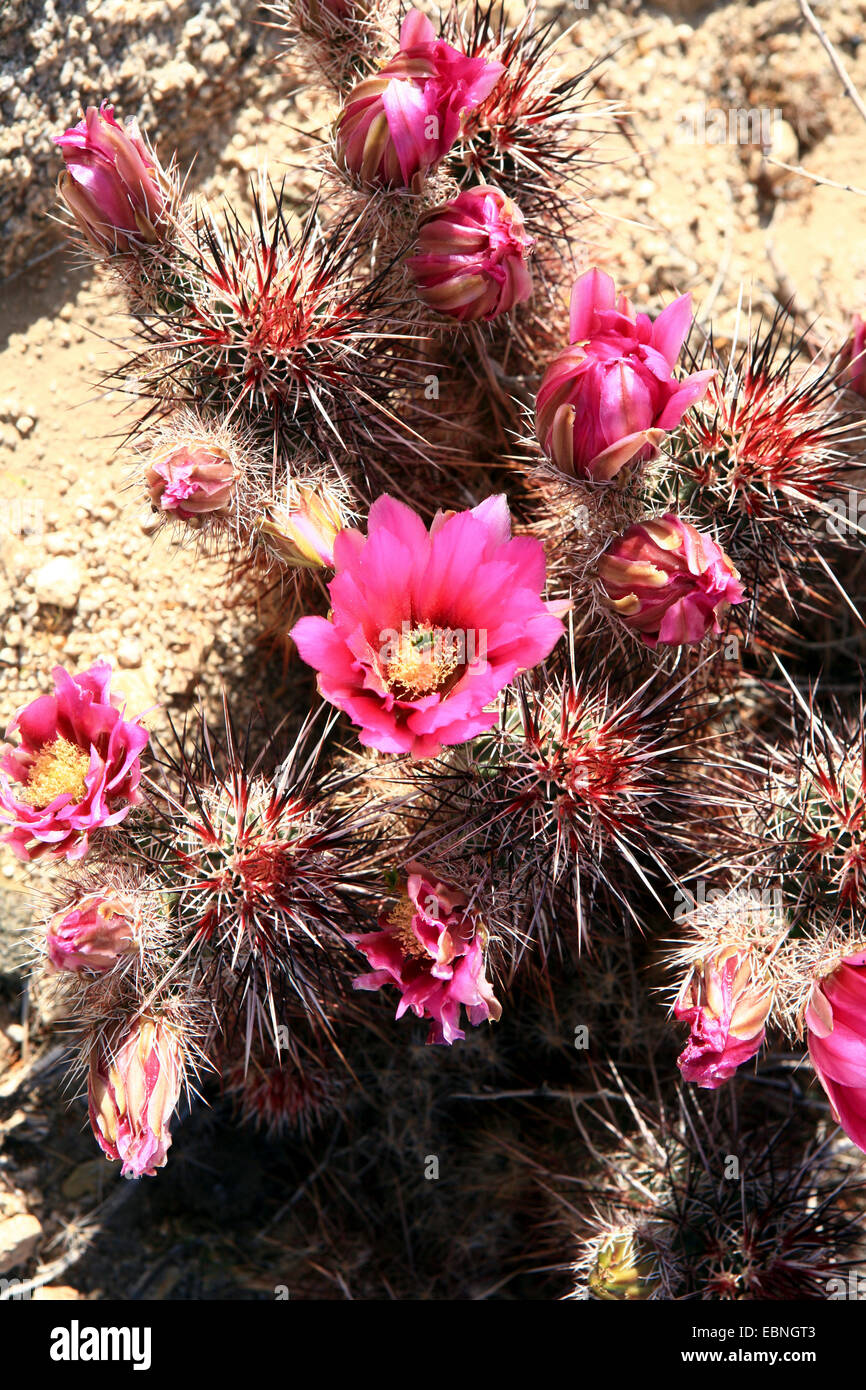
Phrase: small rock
(19, 1236)
(129, 653)
(24, 425)
(56, 1293)
(58, 583)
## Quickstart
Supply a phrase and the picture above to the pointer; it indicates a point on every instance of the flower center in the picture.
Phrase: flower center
(425, 660)
(400, 921)
(58, 768)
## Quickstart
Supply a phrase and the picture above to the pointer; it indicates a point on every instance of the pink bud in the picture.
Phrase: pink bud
(726, 1009)
(112, 184)
(192, 479)
(305, 532)
(92, 934)
(836, 1025)
(609, 398)
(132, 1094)
(472, 255)
(854, 358)
(406, 118)
(668, 582)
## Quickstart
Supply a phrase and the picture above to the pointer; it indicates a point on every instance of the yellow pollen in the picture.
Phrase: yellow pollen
(400, 923)
(58, 768)
(426, 659)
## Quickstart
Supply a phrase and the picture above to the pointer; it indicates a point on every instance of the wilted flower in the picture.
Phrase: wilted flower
(609, 398)
(433, 951)
(76, 768)
(92, 934)
(836, 1024)
(406, 118)
(726, 1008)
(191, 480)
(668, 582)
(132, 1093)
(854, 357)
(305, 529)
(427, 627)
(112, 184)
(472, 256)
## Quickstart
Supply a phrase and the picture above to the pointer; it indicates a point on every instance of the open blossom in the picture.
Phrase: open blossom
(77, 766)
(836, 1025)
(433, 951)
(112, 184)
(726, 1008)
(191, 480)
(472, 256)
(132, 1093)
(92, 934)
(854, 357)
(609, 398)
(404, 119)
(426, 626)
(668, 582)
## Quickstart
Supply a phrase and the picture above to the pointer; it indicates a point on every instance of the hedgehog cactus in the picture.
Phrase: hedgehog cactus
(542, 712)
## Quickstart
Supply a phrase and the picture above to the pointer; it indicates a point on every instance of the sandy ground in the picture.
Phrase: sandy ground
(81, 575)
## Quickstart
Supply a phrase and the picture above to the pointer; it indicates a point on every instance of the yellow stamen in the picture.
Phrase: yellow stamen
(426, 659)
(400, 922)
(58, 768)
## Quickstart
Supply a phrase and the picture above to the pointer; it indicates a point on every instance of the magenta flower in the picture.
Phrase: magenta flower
(609, 398)
(472, 256)
(433, 951)
(428, 626)
(836, 1023)
(132, 1094)
(112, 184)
(92, 934)
(726, 1009)
(668, 582)
(854, 358)
(192, 480)
(76, 768)
(405, 119)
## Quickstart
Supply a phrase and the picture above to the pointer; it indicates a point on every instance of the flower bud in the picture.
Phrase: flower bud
(472, 254)
(112, 185)
(132, 1094)
(403, 120)
(609, 399)
(303, 533)
(92, 934)
(854, 358)
(726, 1009)
(668, 582)
(191, 480)
(622, 1272)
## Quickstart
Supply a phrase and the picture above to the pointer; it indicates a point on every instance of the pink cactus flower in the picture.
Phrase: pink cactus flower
(76, 768)
(668, 582)
(428, 626)
(403, 120)
(132, 1094)
(609, 398)
(854, 358)
(92, 934)
(836, 1025)
(433, 951)
(472, 256)
(192, 480)
(112, 185)
(726, 1009)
